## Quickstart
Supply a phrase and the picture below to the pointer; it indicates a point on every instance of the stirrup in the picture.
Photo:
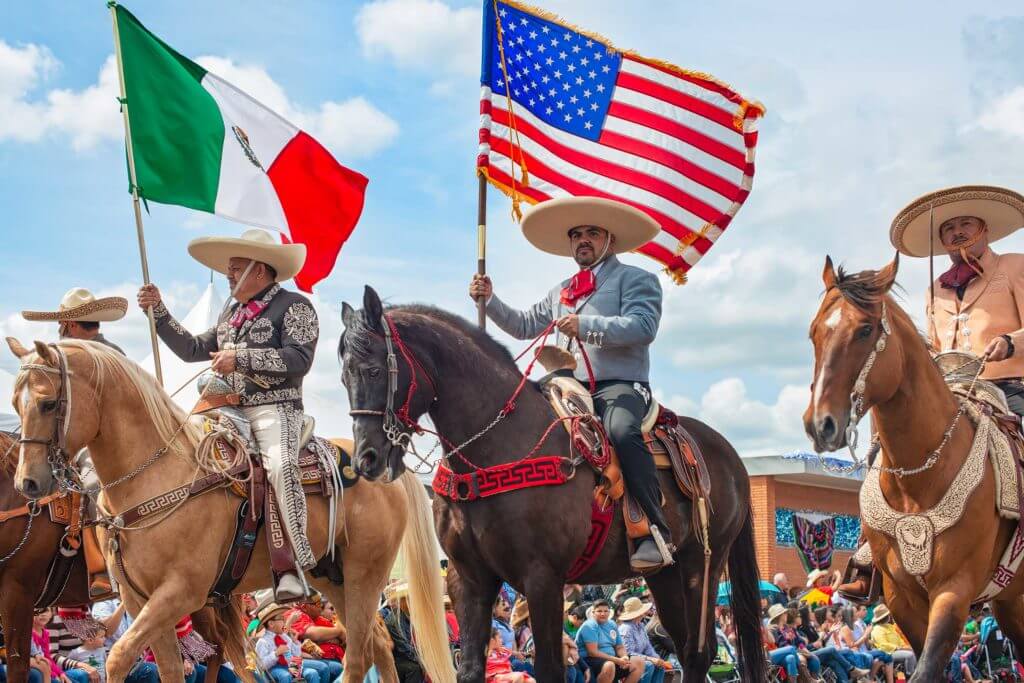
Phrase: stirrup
(666, 549)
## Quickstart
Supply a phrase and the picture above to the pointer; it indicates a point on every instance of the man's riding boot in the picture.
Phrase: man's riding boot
(860, 575)
(99, 580)
(647, 555)
(290, 586)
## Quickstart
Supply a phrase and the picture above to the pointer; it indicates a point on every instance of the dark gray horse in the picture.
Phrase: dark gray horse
(530, 537)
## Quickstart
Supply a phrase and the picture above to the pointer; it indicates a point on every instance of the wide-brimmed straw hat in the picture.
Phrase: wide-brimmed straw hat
(547, 224)
(774, 612)
(258, 245)
(1001, 209)
(80, 306)
(633, 608)
(881, 614)
(815, 575)
(263, 615)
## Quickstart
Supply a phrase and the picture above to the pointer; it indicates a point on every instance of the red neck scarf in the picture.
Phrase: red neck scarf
(960, 275)
(582, 285)
(247, 312)
(278, 642)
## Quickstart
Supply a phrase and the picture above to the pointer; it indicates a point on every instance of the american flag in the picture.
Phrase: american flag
(587, 119)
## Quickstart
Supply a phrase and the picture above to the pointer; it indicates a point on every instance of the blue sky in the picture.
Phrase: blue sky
(869, 105)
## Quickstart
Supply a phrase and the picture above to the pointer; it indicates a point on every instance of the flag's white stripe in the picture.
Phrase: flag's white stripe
(682, 85)
(626, 159)
(600, 182)
(664, 239)
(673, 144)
(727, 136)
(244, 192)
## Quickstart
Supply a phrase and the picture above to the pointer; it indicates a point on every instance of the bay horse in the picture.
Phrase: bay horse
(530, 537)
(27, 552)
(143, 447)
(916, 418)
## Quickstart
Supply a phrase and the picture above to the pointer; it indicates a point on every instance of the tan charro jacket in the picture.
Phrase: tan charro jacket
(993, 305)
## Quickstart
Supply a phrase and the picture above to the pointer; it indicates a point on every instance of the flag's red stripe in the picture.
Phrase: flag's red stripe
(712, 181)
(677, 130)
(676, 98)
(718, 88)
(576, 188)
(609, 169)
(322, 201)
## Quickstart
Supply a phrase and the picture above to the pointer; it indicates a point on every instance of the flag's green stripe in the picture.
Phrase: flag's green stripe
(177, 128)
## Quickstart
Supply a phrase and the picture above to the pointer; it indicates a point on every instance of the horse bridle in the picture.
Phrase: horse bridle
(398, 425)
(56, 445)
(860, 386)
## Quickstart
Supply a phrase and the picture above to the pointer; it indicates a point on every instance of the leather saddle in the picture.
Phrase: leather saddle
(670, 445)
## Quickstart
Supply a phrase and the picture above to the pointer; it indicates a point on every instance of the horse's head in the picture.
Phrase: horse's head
(378, 397)
(46, 392)
(855, 316)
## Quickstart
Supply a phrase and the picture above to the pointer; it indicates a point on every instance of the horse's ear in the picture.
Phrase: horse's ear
(16, 348)
(348, 315)
(828, 274)
(888, 273)
(46, 354)
(373, 309)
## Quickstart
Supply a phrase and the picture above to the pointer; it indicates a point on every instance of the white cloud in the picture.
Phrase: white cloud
(352, 129)
(1005, 114)
(423, 35)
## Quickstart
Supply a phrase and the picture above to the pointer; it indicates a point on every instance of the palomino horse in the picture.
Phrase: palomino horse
(25, 554)
(916, 417)
(142, 447)
(461, 377)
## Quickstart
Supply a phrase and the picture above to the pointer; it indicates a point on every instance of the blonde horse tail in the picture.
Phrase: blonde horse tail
(426, 590)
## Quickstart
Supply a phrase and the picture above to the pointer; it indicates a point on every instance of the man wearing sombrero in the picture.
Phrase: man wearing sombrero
(78, 316)
(263, 346)
(80, 313)
(977, 306)
(613, 310)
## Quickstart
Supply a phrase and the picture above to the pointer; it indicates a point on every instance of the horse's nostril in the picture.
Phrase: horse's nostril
(828, 427)
(30, 487)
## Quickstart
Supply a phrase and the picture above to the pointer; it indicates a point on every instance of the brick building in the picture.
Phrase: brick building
(784, 485)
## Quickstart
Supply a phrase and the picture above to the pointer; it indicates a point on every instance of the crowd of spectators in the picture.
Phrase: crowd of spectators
(610, 633)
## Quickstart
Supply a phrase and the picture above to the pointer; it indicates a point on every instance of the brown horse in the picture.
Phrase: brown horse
(915, 416)
(142, 447)
(23, 574)
(531, 536)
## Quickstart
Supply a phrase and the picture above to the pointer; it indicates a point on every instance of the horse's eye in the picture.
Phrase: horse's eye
(48, 406)
(865, 331)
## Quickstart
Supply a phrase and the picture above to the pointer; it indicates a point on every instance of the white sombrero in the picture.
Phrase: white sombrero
(1001, 209)
(79, 305)
(547, 224)
(258, 245)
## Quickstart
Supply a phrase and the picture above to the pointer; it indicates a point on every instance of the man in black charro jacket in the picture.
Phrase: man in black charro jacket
(263, 346)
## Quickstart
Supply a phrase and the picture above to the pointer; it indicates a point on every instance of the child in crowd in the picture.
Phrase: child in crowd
(499, 664)
(93, 651)
(38, 662)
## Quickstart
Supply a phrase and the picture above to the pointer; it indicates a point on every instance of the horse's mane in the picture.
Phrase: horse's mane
(485, 342)
(865, 289)
(8, 453)
(108, 364)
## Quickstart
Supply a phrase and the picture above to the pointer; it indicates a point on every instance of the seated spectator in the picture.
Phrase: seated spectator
(606, 656)
(574, 618)
(41, 638)
(853, 635)
(93, 652)
(308, 623)
(278, 653)
(662, 642)
(780, 581)
(819, 580)
(786, 656)
(634, 637)
(116, 620)
(502, 622)
(787, 635)
(499, 663)
(524, 632)
(887, 638)
(396, 618)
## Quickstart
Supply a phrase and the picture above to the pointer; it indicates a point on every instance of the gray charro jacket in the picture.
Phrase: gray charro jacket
(618, 322)
(275, 347)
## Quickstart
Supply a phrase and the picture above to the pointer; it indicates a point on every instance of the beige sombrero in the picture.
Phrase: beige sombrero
(258, 245)
(633, 608)
(1001, 209)
(547, 224)
(263, 615)
(80, 306)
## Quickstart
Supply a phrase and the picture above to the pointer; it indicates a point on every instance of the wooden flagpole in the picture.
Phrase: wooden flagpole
(481, 247)
(135, 191)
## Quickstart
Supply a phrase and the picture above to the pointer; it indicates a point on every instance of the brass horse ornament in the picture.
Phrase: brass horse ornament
(939, 499)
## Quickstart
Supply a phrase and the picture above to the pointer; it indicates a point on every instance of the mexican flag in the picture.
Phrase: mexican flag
(200, 142)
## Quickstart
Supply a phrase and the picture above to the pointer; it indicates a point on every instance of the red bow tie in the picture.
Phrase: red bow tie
(582, 284)
(247, 312)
